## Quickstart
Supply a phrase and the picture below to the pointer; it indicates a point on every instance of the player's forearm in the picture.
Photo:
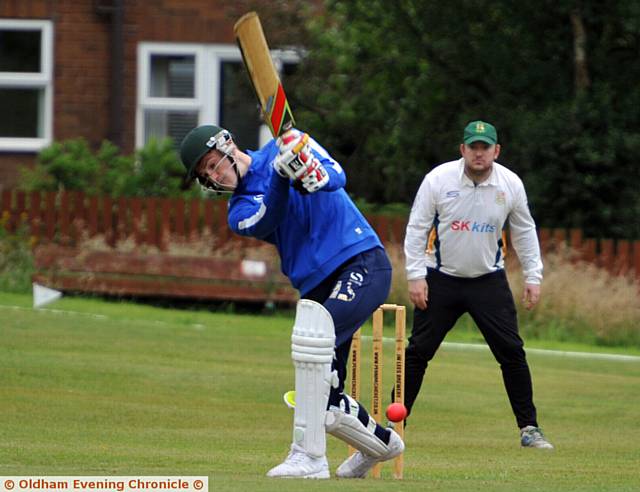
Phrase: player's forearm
(532, 270)
(259, 220)
(336, 180)
(337, 176)
(414, 251)
(525, 244)
(420, 222)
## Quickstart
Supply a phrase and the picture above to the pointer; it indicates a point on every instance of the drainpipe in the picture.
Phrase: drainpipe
(115, 11)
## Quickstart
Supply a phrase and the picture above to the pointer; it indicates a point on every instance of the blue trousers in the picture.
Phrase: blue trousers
(351, 294)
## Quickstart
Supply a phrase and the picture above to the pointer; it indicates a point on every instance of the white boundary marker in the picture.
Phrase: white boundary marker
(61, 312)
(452, 345)
(557, 353)
(43, 295)
(54, 311)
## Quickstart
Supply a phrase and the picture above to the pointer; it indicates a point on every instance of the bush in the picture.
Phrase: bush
(154, 170)
(16, 259)
(583, 303)
(157, 171)
(399, 293)
(393, 209)
(579, 302)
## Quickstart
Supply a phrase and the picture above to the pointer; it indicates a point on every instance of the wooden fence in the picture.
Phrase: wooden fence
(68, 218)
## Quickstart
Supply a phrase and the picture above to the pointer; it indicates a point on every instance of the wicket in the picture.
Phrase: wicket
(376, 373)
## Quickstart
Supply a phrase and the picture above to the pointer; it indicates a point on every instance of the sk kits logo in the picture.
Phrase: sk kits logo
(472, 226)
(348, 294)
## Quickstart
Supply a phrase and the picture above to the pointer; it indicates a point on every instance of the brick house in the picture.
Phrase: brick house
(123, 70)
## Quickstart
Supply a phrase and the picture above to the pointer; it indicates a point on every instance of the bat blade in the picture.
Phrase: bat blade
(263, 75)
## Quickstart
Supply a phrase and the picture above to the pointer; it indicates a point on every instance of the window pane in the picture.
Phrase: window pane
(159, 124)
(19, 51)
(239, 111)
(172, 76)
(290, 78)
(21, 110)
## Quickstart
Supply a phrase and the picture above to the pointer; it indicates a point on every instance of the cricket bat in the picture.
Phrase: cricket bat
(276, 112)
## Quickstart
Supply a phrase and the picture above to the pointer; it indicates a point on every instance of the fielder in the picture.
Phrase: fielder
(458, 217)
(290, 193)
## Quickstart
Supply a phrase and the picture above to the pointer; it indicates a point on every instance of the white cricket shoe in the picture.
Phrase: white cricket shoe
(300, 465)
(532, 437)
(358, 464)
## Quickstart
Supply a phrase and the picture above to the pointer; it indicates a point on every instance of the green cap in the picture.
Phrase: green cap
(196, 144)
(480, 131)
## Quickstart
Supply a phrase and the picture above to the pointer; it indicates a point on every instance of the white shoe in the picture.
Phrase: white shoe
(358, 464)
(532, 437)
(300, 465)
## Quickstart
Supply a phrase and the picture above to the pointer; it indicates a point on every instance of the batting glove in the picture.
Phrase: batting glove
(286, 162)
(312, 176)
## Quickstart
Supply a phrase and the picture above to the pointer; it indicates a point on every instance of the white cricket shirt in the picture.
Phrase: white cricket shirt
(463, 224)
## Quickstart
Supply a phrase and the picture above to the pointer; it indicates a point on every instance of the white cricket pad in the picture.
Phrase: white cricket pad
(347, 426)
(312, 348)
(44, 295)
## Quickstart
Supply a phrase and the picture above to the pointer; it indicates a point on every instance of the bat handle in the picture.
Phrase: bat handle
(286, 127)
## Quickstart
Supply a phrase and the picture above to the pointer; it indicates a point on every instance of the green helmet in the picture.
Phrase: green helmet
(198, 142)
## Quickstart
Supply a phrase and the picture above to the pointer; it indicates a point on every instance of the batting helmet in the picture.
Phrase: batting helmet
(198, 142)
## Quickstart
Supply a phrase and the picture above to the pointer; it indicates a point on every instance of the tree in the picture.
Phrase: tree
(388, 89)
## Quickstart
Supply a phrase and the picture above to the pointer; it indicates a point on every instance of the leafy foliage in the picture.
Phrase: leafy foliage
(388, 91)
(16, 260)
(157, 171)
(153, 170)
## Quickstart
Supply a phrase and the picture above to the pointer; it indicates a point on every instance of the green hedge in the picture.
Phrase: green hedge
(16, 260)
(154, 170)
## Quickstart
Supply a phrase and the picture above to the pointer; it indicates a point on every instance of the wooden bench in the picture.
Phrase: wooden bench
(160, 275)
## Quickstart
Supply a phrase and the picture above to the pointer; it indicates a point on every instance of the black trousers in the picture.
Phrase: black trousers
(489, 301)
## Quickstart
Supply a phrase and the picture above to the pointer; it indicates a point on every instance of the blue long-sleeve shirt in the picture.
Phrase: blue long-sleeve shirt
(314, 233)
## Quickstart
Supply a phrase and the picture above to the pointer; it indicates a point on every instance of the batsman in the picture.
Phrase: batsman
(290, 193)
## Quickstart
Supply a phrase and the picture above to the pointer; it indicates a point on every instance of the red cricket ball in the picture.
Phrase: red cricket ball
(396, 412)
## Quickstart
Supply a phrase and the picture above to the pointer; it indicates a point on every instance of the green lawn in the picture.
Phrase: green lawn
(89, 387)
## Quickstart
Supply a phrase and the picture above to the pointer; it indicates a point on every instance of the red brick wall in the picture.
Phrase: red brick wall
(16, 9)
(10, 163)
(26, 9)
(80, 73)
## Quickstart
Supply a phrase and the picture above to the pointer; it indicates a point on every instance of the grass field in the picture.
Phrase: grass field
(89, 387)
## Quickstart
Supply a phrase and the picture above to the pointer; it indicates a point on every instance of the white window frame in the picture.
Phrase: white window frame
(206, 100)
(34, 80)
